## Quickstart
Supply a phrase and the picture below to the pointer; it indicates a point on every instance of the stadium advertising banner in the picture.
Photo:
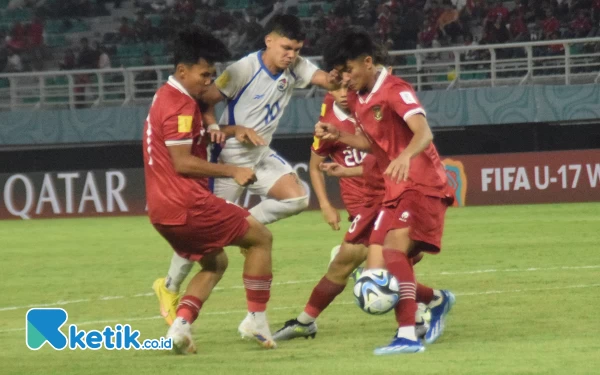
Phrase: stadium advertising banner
(520, 178)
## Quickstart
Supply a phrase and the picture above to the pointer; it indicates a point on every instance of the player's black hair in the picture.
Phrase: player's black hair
(193, 44)
(349, 45)
(288, 26)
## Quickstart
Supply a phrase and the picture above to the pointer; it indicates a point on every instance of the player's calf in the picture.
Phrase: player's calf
(257, 282)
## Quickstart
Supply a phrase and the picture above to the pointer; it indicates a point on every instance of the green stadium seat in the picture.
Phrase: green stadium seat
(303, 10)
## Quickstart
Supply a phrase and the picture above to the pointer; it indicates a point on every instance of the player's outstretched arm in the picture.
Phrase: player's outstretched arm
(329, 132)
(398, 168)
(329, 81)
(330, 213)
(211, 97)
(243, 134)
(337, 170)
(189, 165)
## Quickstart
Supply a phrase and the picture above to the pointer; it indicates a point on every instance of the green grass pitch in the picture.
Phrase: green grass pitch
(527, 281)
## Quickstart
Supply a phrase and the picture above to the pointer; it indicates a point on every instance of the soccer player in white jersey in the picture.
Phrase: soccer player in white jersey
(257, 89)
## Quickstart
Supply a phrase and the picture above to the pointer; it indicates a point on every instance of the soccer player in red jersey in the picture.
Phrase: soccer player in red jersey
(395, 130)
(362, 196)
(362, 189)
(181, 207)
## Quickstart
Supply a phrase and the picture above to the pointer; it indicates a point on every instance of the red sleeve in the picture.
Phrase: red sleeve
(404, 101)
(321, 147)
(178, 126)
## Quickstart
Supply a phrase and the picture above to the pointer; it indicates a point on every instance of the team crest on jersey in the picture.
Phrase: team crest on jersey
(377, 113)
(282, 84)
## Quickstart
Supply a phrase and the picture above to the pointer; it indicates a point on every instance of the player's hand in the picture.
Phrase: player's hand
(327, 132)
(244, 176)
(398, 168)
(331, 216)
(217, 136)
(333, 169)
(334, 78)
(248, 136)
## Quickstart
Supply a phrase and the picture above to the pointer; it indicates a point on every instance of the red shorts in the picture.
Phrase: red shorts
(422, 214)
(362, 225)
(208, 228)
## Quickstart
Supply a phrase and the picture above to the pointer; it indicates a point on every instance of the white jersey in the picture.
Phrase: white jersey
(257, 99)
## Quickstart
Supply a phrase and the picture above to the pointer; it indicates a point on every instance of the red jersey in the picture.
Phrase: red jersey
(174, 119)
(356, 191)
(381, 114)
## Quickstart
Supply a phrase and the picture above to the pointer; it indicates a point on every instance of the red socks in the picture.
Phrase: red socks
(188, 308)
(398, 264)
(322, 295)
(424, 294)
(258, 292)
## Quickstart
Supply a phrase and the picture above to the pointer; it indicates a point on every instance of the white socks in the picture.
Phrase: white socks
(407, 333)
(178, 270)
(304, 318)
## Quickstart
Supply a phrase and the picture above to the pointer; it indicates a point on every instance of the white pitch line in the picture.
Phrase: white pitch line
(292, 282)
(229, 312)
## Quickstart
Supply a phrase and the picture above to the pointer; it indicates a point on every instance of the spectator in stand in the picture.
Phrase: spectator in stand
(555, 49)
(550, 25)
(518, 29)
(87, 58)
(142, 28)
(364, 14)
(448, 23)
(383, 22)
(103, 58)
(146, 78)
(13, 63)
(581, 26)
(186, 9)
(18, 36)
(428, 34)
(69, 61)
(126, 33)
(254, 34)
(498, 10)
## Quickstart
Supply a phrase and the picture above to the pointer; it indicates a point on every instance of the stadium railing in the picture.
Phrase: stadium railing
(572, 61)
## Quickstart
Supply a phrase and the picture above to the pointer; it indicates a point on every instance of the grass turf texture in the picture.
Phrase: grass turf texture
(526, 280)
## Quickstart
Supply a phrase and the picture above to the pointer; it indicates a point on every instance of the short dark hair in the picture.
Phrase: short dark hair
(288, 26)
(350, 45)
(193, 44)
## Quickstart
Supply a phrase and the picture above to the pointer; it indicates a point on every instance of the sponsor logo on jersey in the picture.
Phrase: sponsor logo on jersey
(377, 113)
(404, 216)
(457, 180)
(260, 96)
(282, 84)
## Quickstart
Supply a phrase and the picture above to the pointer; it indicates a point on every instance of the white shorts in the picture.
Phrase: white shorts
(268, 169)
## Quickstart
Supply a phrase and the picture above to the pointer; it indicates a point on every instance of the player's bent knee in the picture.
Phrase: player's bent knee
(216, 263)
(294, 206)
(258, 235)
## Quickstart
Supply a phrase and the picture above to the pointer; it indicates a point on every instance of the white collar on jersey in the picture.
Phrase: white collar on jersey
(175, 83)
(383, 73)
(340, 113)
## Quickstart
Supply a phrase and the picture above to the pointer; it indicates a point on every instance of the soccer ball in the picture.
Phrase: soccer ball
(376, 291)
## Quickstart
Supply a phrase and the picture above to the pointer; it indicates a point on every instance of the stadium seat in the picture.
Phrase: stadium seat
(303, 10)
